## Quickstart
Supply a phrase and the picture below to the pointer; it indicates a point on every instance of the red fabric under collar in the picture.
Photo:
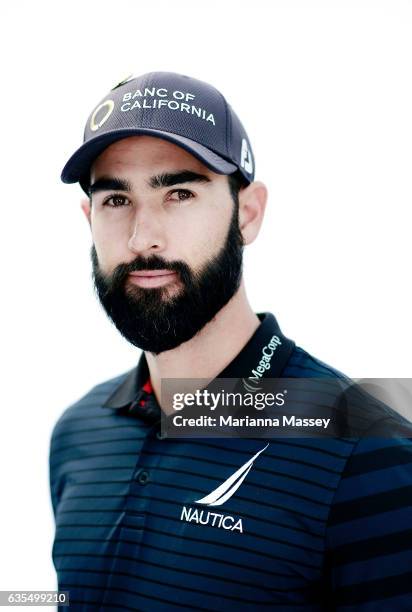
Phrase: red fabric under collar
(147, 387)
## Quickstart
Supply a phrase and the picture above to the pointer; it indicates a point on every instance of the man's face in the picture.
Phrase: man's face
(156, 209)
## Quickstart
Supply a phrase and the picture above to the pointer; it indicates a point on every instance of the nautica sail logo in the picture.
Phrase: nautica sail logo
(218, 497)
(231, 485)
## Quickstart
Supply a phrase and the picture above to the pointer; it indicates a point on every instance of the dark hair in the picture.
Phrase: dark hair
(236, 183)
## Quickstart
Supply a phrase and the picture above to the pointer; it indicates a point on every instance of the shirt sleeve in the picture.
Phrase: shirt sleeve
(53, 476)
(368, 561)
(56, 479)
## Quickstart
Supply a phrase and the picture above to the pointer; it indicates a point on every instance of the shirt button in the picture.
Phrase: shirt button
(142, 477)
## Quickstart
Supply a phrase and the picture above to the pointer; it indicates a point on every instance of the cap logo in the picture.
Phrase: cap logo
(109, 106)
(161, 97)
(246, 157)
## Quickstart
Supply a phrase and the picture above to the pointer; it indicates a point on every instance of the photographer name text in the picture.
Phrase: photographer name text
(231, 421)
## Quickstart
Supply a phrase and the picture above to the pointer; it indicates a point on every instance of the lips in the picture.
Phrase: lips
(149, 273)
(152, 278)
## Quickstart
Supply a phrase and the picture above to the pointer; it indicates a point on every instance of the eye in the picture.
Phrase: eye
(181, 194)
(116, 200)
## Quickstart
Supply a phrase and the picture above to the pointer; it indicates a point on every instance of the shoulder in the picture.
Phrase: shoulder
(82, 415)
(368, 536)
(359, 403)
(303, 364)
(88, 405)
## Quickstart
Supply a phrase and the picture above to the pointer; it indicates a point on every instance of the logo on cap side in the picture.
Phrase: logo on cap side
(124, 81)
(246, 157)
(109, 105)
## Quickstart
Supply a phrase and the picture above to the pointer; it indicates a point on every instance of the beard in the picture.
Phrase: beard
(154, 320)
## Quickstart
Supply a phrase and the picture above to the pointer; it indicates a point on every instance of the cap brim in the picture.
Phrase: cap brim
(80, 162)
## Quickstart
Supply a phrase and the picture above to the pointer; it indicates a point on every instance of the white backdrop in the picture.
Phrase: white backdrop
(324, 91)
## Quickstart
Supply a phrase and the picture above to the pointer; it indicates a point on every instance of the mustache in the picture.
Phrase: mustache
(121, 272)
(153, 263)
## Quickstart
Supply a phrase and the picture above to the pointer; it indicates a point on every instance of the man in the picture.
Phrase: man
(147, 522)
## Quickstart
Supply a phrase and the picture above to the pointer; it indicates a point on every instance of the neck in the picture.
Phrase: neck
(212, 349)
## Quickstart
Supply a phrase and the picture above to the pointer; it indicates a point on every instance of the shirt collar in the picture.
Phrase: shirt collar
(130, 391)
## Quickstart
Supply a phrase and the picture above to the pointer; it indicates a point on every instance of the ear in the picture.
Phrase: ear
(252, 204)
(86, 208)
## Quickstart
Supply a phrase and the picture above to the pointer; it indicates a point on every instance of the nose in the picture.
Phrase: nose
(147, 233)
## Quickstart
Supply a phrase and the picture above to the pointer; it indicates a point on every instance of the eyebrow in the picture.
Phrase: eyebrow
(165, 179)
(107, 183)
(168, 179)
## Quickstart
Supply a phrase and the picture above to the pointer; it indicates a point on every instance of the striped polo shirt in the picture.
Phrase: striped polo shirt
(316, 524)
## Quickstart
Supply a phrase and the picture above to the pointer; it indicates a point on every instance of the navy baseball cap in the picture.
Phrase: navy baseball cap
(185, 111)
